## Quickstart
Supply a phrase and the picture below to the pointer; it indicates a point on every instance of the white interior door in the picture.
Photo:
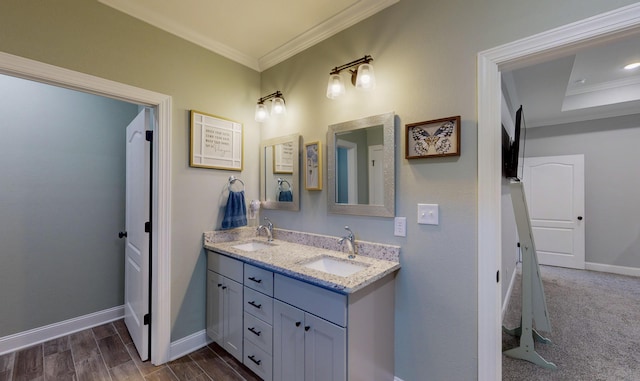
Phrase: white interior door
(376, 175)
(136, 288)
(554, 186)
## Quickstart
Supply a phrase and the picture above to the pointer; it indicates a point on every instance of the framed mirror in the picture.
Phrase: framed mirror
(360, 166)
(280, 173)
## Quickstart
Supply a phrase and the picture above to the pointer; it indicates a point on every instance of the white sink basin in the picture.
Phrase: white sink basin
(253, 246)
(335, 266)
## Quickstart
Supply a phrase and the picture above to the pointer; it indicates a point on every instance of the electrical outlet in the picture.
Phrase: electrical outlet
(400, 227)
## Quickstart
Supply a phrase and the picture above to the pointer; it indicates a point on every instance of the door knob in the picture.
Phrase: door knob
(122, 234)
(579, 218)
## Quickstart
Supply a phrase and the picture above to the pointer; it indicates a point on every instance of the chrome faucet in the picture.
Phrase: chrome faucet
(268, 228)
(350, 239)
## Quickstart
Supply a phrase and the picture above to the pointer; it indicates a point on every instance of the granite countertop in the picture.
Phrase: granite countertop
(289, 258)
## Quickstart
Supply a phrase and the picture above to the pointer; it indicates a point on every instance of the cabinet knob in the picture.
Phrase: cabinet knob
(308, 327)
(579, 218)
(219, 284)
(298, 323)
(224, 287)
(122, 234)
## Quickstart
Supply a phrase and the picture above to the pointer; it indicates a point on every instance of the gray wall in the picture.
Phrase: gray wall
(612, 181)
(62, 165)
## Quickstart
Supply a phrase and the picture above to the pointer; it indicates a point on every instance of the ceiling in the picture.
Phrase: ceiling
(588, 84)
(257, 34)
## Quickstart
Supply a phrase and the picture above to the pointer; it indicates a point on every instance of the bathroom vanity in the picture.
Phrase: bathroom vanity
(291, 311)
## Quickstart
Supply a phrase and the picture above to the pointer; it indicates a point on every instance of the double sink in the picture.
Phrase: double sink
(326, 264)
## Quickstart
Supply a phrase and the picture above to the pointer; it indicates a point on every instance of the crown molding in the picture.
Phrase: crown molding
(349, 17)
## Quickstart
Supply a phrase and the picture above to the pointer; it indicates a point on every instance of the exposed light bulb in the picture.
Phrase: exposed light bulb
(335, 87)
(632, 66)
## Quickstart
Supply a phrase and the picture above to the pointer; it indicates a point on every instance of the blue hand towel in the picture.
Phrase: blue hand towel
(235, 214)
(285, 196)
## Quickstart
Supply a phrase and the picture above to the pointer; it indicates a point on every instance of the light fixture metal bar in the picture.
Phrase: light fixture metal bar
(366, 59)
(277, 94)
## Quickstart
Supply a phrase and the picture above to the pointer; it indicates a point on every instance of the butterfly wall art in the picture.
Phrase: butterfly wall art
(433, 138)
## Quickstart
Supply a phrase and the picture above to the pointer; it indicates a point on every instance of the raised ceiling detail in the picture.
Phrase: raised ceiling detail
(257, 34)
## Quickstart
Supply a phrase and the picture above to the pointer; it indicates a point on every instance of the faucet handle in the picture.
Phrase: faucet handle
(349, 230)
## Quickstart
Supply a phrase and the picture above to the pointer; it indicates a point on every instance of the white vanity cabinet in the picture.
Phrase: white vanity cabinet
(224, 303)
(258, 320)
(287, 329)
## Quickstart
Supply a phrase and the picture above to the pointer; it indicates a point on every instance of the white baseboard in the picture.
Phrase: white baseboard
(188, 344)
(621, 270)
(39, 335)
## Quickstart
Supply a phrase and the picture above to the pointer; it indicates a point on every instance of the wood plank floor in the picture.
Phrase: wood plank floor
(106, 353)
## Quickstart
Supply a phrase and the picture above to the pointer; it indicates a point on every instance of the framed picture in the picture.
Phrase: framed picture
(433, 138)
(283, 158)
(313, 166)
(215, 142)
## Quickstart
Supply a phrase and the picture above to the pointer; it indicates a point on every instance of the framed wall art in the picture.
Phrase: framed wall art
(433, 138)
(283, 158)
(313, 166)
(215, 142)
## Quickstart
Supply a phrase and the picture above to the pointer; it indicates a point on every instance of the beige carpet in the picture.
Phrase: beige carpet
(595, 320)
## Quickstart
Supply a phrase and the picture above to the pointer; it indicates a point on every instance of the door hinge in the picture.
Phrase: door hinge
(149, 136)
(147, 227)
(147, 319)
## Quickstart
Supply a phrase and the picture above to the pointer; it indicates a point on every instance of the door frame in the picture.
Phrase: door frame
(543, 46)
(20, 67)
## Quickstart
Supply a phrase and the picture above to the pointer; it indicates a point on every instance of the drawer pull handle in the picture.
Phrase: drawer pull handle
(298, 323)
(254, 304)
(253, 330)
(253, 358)
(306, 328)
(255, 280)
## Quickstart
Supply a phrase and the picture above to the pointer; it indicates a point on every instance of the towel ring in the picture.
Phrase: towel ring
(232, 180)
(280, 181)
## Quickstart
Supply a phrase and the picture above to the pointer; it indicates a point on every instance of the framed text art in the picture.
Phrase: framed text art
(313, 166)
(215, 142)
(283, 158)
(433, 138)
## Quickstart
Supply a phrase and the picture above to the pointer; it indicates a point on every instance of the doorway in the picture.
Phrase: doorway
(161, 205)
(625, 20)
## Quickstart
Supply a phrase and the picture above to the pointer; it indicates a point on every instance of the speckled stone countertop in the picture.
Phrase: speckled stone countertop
(286, 255)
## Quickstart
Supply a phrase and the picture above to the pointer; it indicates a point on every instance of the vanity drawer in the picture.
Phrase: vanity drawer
(258, 279)
(258, 305)
(258, 361)
(321, 302)
(258, 332)
(223, 265)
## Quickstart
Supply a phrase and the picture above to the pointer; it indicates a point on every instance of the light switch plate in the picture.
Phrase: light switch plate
(400, 227)
(428, 214)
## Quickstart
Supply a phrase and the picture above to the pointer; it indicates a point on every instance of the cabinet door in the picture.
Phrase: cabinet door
(325, 350)
(215, 311)
(288, 342)
(233, 314)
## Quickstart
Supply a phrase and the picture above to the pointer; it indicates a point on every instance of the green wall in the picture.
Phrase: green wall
(425, 62)
(89, 37)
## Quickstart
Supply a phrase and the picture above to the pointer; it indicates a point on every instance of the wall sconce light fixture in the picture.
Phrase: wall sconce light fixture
(362, 77)
(277, 106)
